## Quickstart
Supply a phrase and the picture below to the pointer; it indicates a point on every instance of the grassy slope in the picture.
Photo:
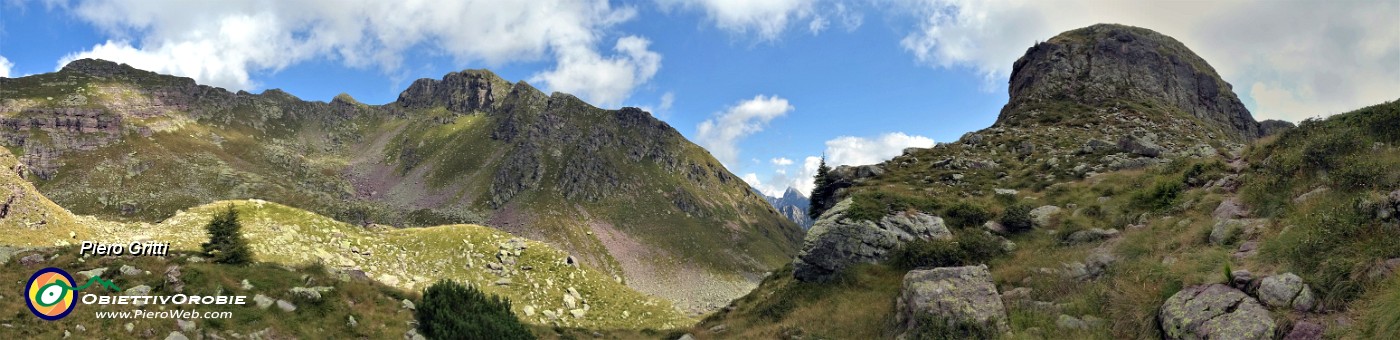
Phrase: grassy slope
(1330, 240)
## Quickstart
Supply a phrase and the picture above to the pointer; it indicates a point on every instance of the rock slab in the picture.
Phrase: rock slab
(950, 294)
(1214, 312)
(836, 242)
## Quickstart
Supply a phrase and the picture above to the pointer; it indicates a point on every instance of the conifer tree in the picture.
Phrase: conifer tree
(821, 192)
(226, 243)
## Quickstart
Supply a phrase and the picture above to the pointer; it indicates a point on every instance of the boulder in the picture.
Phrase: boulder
(836, 242)
(1041, 216)
(286, 306)
(964, 295)
(1306, 330)
(97, 272)
(1286, 290)
(31, 260)
(1091, 235)
(1227, 231)
(262, 301)
(1230, 208)
(1214, 311)
(1140, 146)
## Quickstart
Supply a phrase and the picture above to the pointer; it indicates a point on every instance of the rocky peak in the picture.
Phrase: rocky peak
(462, 92)
(1106, 65)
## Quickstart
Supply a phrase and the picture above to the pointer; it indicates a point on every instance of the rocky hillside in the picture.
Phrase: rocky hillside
(1110, 200)
(792, 205)
(108, 140)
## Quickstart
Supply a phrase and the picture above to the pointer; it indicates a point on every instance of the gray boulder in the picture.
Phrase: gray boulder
(1286, 290)
(1041, 216)
(1140, 146)
(1227, 231)
(1214, 311)
(953, 295)
(1091, 235)
(836, 242)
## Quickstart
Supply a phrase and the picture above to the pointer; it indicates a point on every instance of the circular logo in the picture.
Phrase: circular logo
(50, 294)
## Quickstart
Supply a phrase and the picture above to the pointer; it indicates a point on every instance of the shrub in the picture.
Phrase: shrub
(966, 214)
(874, 205)
(1160, 196)
(1017, 218)
(452, 311)
(936, 328)
(966, 248)
(226, 244)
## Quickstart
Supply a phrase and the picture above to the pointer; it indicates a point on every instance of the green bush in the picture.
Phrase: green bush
(874, 205)
(226, 243)
(967, 214)
(1017, 218)
(452, 311)
(936, 328)
(1160, 196)
(969, 247)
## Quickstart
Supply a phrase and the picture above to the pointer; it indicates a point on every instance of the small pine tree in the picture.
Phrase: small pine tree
(452, 311)
(821, 191)
(226, 244)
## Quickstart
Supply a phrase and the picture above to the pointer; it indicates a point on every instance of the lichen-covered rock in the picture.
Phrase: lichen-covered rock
(952, 294)
(1041, 216)
(1214, 311)
(1286, 290)
(1091, 235)
(836, 242)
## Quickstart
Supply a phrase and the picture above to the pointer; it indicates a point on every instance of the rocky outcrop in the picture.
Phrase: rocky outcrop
(1103, 64)
(1286, 290)
(844, 177)
(955, 295)
(462, 92)
(837, 241)
(1214, 312)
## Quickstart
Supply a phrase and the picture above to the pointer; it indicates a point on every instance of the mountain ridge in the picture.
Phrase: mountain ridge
(469, 147)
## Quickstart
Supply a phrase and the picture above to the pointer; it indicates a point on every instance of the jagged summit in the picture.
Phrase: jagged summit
(1110, 66)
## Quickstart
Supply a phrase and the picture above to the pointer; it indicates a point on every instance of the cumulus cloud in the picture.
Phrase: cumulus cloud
(721, 134)
(848, 150)
(5, 66)
(1292, 59)
(844, 150)
(225, 43)
(766, 19)
(604, 81)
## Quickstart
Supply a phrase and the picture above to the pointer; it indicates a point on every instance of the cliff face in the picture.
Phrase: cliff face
(620, 190)
(1102, 64)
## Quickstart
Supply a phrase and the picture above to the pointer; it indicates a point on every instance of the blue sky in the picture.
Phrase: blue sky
(765, 85)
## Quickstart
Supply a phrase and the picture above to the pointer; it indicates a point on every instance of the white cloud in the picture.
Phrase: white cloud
(604, 81)
(224, 43)
(667, 99)
(721, 134)
(5, 66)
(848, 150)
(1304, 58)
(767, 19)
(844, 150)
